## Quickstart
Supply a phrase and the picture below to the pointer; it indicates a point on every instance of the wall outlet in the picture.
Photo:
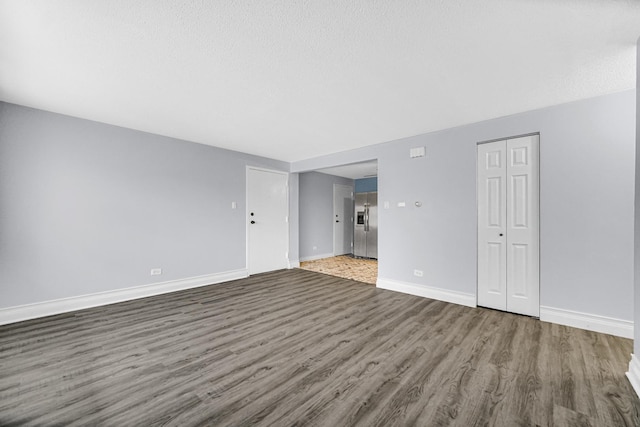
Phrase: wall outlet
(417, 273)
(156, 271)
(315, 248)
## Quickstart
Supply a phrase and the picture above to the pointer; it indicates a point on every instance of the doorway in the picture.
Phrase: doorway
(508, 225)
(267, 220)
(327, 220)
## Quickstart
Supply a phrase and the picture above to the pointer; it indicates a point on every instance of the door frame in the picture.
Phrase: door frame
(539, 166)
(350, 215)
(246, 212)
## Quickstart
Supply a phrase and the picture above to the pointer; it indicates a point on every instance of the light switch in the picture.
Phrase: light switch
(386, 205)
(417, 152)
(234, 205)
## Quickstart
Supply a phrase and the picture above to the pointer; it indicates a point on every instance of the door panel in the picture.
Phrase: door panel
(492, 275)
(494, 157)
(523, 285)
(495, 267)
(519, 198)
(495, 209)
(518, 257)
(268, 229)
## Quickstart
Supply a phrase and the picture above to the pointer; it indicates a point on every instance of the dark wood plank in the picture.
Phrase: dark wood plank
(302, 348)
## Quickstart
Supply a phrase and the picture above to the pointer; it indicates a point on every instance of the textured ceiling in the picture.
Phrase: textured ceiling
(297, 79)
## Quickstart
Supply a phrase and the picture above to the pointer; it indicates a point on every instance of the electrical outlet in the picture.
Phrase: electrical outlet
(156, 271)
(315, 248)
(417, 273)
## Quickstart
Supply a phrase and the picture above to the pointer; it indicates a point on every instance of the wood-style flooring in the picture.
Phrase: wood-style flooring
(301, 348)
(345, 266)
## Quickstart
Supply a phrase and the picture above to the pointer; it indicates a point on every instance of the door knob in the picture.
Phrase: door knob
(501, 234)
(253, 222)
(337, 220)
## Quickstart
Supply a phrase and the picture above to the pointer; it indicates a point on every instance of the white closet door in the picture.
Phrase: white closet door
(508, 230)
(523, 294)
(492, 271)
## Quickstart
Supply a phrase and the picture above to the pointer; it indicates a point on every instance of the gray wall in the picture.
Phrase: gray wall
(587, 202)
(87, 207)
(316, 213)
(294, 217)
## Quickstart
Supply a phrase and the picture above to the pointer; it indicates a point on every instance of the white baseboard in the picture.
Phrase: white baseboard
(634, 374)
(591, 322)
(48, 308)
(293, 263)
(454, 297)
(315, 257)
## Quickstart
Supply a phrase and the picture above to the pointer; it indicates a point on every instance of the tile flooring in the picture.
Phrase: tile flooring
(345, 266)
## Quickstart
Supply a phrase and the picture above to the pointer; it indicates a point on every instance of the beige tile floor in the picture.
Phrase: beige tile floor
(362, 270)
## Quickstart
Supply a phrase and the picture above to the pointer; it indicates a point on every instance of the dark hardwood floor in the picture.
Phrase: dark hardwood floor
(302, 348)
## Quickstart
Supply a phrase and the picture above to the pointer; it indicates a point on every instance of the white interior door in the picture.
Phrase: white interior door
(508, 225)
(267, 220)
(342, 219)
(523, 271)
(492, 271)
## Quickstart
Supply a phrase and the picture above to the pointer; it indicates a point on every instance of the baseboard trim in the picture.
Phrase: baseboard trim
(591, 322)
(634, 374)
(294, 263)
(315, 257)
(64, 305)
(440, 294)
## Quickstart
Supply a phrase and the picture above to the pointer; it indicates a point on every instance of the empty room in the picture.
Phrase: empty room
(323, 213)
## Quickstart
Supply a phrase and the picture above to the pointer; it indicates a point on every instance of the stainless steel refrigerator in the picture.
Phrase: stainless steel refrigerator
(365, 230)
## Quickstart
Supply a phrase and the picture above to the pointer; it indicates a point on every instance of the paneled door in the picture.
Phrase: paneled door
(342, 219)
(268, 222)
(508, 225)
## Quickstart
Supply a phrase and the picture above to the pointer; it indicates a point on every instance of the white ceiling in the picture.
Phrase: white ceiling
(298, 79)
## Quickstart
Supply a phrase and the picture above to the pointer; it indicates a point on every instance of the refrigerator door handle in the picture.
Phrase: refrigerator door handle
(366, 218)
